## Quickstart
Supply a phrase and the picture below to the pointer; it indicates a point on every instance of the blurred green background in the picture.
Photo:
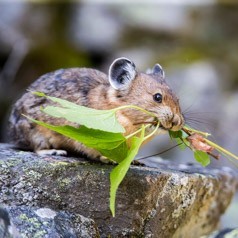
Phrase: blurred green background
(196, 42)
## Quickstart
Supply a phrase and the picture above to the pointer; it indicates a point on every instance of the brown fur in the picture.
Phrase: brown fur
(91, 88)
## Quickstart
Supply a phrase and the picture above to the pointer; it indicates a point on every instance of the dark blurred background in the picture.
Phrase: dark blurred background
(196, 43)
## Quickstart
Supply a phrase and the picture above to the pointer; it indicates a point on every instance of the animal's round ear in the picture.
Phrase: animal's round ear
(121, 73)
(158, 70)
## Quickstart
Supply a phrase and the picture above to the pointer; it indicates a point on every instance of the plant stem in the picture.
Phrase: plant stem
(188, 129)
(134, 133)
(146, 122)
(219, 148)
(134, 107)
(152, 133)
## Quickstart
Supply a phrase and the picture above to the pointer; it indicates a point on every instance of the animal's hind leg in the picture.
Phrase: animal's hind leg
(47, 142)
(51, 152)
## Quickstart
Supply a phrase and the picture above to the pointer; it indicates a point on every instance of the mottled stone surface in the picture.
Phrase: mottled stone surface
(5, 225)
(170, 201)
(44, 222)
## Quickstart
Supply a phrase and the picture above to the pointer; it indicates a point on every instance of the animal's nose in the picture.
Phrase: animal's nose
(177, 122)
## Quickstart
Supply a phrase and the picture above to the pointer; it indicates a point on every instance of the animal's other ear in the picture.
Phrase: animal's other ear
(121, 73)
(158, 70)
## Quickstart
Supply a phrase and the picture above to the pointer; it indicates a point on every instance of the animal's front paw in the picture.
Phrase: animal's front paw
(105, 160)
(52, 152)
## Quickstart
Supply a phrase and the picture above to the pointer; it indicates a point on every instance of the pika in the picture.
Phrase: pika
(124, 85)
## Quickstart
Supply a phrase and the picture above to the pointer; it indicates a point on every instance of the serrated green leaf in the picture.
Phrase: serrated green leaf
(119, 172)
(202, 157)
(111, 145)
(104, 120)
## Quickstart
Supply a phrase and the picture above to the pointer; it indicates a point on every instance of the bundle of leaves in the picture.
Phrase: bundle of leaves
(100, 130)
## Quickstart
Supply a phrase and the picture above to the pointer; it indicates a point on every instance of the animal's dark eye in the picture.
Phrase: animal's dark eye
(158, 97)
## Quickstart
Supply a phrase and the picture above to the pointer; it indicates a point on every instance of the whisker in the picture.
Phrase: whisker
(199, 117)
(199, 126)
(188, 111)
(188, 108)
(202, 124)
(198, 113)
(199, 121)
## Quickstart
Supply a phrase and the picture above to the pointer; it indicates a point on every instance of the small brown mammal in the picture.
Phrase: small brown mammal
(124, 85)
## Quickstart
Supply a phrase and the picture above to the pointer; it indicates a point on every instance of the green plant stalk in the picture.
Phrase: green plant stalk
(217, 147)
(134, 107)
(221, 149)
(152, 133)
(136, 132)
(196, 131)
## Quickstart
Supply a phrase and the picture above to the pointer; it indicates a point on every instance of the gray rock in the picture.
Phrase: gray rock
(45, 222)
(170, 201)
(5, 224)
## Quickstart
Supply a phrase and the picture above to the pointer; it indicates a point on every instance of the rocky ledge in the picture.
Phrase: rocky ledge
(48, 196)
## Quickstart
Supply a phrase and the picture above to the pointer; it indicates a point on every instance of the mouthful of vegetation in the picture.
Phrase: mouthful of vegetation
(100, 130)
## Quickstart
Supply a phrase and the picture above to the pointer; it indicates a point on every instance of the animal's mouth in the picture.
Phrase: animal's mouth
(163, 128)
(161, 124)
(154, 122)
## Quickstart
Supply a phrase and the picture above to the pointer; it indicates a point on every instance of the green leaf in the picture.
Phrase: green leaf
(111, 145)
(104, 120)
(119, 172)
(117, 154)
(175, 134)
(62, 102)
(181, 143)
(202, 157)
(180, 138)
